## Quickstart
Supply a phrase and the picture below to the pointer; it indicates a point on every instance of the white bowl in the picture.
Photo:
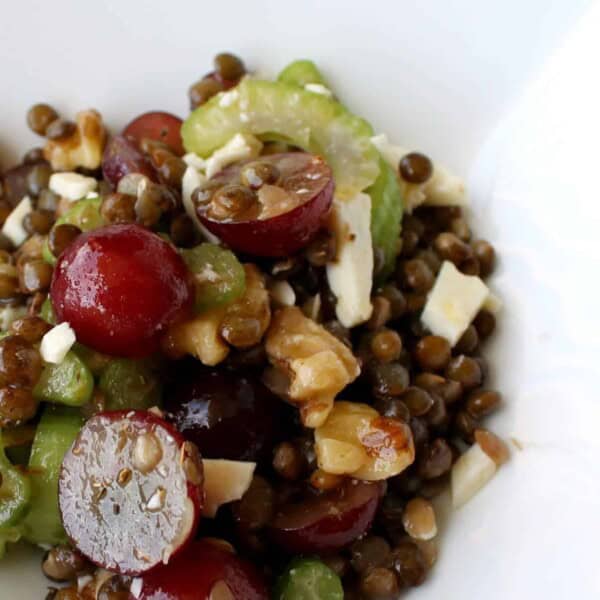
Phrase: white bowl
(478, 85)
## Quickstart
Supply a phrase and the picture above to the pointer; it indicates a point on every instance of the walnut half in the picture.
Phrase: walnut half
(83, 148)
(314, 364)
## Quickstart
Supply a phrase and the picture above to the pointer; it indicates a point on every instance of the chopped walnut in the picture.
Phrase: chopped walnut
(355, 440)
(81, 149)
(315, 363)
(247, 319)
(199, 337)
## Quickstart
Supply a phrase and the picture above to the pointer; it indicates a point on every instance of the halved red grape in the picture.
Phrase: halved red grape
(280, 215)
(227, 415)
(159, 126)
(329, 522)
(205, 571)
(121, 157)
(130, 491)
(120, 287)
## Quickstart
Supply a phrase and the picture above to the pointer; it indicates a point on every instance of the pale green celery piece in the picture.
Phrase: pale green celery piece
(56, 431)
(308, 120)
(219, 277)
(70, 383)
(386, 216)
(300, 73)
(47, 311)
(15, 491)
(85, 214)
(130, 384)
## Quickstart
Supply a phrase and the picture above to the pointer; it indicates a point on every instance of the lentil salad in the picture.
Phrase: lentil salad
(242, 353)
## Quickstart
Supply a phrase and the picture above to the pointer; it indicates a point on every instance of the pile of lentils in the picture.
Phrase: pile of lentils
(407, 373)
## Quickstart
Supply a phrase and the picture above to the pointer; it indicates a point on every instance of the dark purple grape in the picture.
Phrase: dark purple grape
(121, 157)
(227, 415)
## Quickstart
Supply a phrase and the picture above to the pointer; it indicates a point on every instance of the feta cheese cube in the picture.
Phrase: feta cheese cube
(318, 88)
(191, 159)
(56, 343)
(72, 186)
(282, 293)
(241, 146)
(13, 226)
(469, 474)
(453, 302)
(350, 276)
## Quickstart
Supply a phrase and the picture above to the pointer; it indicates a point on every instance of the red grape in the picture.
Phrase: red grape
(159, 126)
(329, 522)
(119, 287)
(304, 193)
(121, 157)
(227, 415)
(200, 573)
(130, 491)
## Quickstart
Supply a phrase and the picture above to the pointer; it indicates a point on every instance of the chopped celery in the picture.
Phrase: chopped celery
(301, 73)
(130, 384)
(311, 121)
(56, 431)
(219, 277)
(15, 491)
(70, 382)
(85, 214)
(386, 216)
(47, 311)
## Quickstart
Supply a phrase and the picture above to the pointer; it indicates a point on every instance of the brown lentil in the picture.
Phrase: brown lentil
(118, 208)
(231, 201)
(465, 425)
(419, 519)
(39, 116)
(17, 405)
(392, 407)
(396, 299)
(202, 91)
(47, 200)
(229, 66)
(485, 323)
(20, 363)
(258, 173)
(450, 247)
(429, 257)
(31, 329)
(62, 563)
(34, 276)
(433, 353)
(437, 415)
(415, 168)
(61, 237)
(380, 584)
(420, 432)
(389, 379)
(288, 462)
(486, 255)
(35, 155)
(341, 333)
(338, 564)
(255, 509)
(468, 341)
(38, 178)
(171, 170)
(60, 129)
(38, 221)
(182, 231)
(460, 229)
(386, 345)
(5, 208)
(371, 551)
(415, 275)
(482, 402)
(409, 243)
(241, 331)
(409, 564)
(321, 250)
(417, 400)
(8, 286)
(435, 460)
(469, 266)
(415, 304)
(323, 481)
(465, 370)
(382, 312)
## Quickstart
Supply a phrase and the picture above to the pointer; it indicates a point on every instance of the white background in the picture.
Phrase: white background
(506, 93)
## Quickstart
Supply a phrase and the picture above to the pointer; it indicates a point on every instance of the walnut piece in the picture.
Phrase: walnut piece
(83, 148)
(316, 364)
(356, 440)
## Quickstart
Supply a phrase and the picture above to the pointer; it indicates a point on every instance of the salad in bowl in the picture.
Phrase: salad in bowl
(240, 353)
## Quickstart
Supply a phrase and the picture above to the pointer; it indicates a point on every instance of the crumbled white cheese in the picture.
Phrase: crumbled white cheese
(130, 183)
(443, 188)
(56, 343)
(350, 276)
(225, 481)
(241, 146)
(318, 88)
(136, 587)
(8, 314)
(72, 186)
(191, 159)
(469, 474)
(453, 302)
(282, 293)
(13, 226)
